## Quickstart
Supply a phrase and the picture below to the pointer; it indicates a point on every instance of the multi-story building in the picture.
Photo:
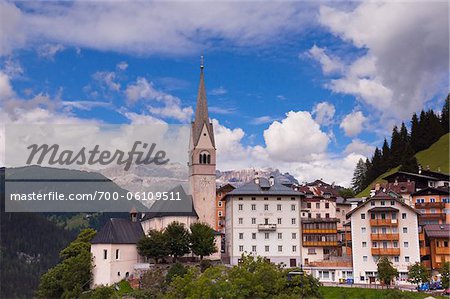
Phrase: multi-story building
(263, 218)
(434, 248)
(221, 192)
(383, 226)
(433, 205)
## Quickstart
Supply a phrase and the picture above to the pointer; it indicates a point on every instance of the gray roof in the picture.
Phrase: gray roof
(166, 208)
(417, 175)
(119, 231)
(437, 230)
(264, 188)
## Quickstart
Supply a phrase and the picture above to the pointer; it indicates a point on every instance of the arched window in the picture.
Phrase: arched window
(204, 158)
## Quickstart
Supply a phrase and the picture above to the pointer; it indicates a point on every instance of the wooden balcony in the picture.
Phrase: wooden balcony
(385, 251)
(424, 251)
(421, 236)
(443, 250)
(383, 222)
(348, 236)
(384, 237)
(319, 231)
(267, 227)
(320, 243)
(433, 216)
(429, 205)
(427, 264)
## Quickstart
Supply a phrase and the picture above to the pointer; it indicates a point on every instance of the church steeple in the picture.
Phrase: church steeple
(201, 111)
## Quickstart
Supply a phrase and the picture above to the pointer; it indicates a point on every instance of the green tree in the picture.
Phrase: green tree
(386, 272)
(154, 245)
(418, 274)
(385, 156)
(415, 134)
(73, 274)
(346, 193)
(202, 240)
(176, 270)
(396, 147)
(359, 176)
(445, 116)
(409, 161)
(177, 237)
(445, 275)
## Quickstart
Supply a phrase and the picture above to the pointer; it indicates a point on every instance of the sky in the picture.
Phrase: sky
(305, 87)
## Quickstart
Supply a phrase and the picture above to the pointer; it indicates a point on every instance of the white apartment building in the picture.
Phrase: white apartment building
(383, 226)
(263, 218)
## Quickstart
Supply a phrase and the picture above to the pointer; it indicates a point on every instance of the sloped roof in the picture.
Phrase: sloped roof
(264, 188)
(437, 230)
(432, 191)
(119, 231)
(416, 175)
(166, 208)
(201, 113)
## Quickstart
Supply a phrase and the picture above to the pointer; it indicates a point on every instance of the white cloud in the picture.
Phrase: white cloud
(352, 124)
(48, 51)
(144, 90)
(406, 61)
(324, 113)
(358, 146)
(296, 138)
(85, 105)
(221, 110)
(122, 65)
(107, 78)
(262, 120)
(218, 91)
(6, 90)
(329, 63)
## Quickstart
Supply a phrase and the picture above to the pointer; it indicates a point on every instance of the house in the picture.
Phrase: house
(263, 218)
(383, 226)
(221, 192)
(435, 249)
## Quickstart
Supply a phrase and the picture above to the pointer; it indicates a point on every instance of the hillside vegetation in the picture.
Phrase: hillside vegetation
(436, 157)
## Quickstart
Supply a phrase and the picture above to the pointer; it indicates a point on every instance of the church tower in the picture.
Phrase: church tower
(202, 159)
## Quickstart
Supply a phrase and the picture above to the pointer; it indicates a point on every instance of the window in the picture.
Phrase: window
(365, 258)
(327, 205)
(241, 248)
(405, 230)
(253, 198)
(309, 215)
(392, 202)
(266, 198)
(280, 248)
(338, 209)
(373, 230)
(327, 215)
(317, 205)
(280, 235)
(372, 203)
(372, 216)
(105, 254)
(266, 207)
(240, 198)
(308, 205)
(278, 198)
(363, 230)
(254, 248)
(253, 220)
(394, 215)
(241, 236)
(317, 215)
(266, 248)
(364, 244)
(293, 221)
(294, 248)
(220, 213)
(311, 251)
(278, 207)
(253, 207)
(266, 220)
(395, 244)
(266, 236)
(279, 220)
(374, 244)
(294, 235)
(363, 216)
(292, 198)
(396, 259)
(407, 259)
(117, 254)
(240, 221)
(219, 203)
(292, 207)
(205, 158)
(432, 199)
(240, 207)
(254, 236)
(383, 203)
(405, 244)
(403, 215)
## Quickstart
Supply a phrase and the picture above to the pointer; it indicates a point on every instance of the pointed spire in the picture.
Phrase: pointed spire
(201, 112)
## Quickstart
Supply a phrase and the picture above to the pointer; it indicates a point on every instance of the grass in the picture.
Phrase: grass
(363, 293)
(436, 157)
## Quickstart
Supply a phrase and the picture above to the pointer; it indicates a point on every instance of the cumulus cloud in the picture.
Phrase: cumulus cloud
(109, 79)
(144, 90)
(329, 63)
(352, 124)
(218, 91)
(48, 51)
(6, 90)
(262, 120)
(122, 65)
(296, 138)
(324, 113)
(358, 146)
(393, 74)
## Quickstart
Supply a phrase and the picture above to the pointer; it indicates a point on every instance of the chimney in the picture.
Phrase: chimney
(420, 169)
(257, 180)
(271, 180)
(133, 214)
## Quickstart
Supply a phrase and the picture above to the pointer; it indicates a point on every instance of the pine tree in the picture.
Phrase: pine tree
(396, 148)
(415, 139)
(409, 161)
(385, 156)
(445, 116)
(359, 176)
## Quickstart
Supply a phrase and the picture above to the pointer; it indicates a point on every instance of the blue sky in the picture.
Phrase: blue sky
(307, 88)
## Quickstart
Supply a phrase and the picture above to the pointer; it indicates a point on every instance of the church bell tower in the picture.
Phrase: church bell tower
(202, 159)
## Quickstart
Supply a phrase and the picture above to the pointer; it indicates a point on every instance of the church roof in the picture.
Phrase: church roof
(201, 113)
(264, 188)
(119, 231)
(166, 208)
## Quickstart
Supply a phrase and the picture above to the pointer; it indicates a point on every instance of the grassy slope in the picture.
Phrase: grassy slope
(436, 156)
(339, 293)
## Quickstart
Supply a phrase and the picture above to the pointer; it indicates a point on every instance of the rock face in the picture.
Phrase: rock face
(239, 177)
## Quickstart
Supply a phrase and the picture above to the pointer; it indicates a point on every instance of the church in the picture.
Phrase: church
(114, 250)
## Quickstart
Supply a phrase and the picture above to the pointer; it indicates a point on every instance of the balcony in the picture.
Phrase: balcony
(443, 250)
(267, 227)
(429, 216)
(384, 237)
(319, 231)
(421, 236)
(385, 251)
(424, 251)
(383, 222)
(348, 236)
(429, 205)
(320, 243)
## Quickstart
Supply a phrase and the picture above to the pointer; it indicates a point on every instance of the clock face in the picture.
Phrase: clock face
(204, 182)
